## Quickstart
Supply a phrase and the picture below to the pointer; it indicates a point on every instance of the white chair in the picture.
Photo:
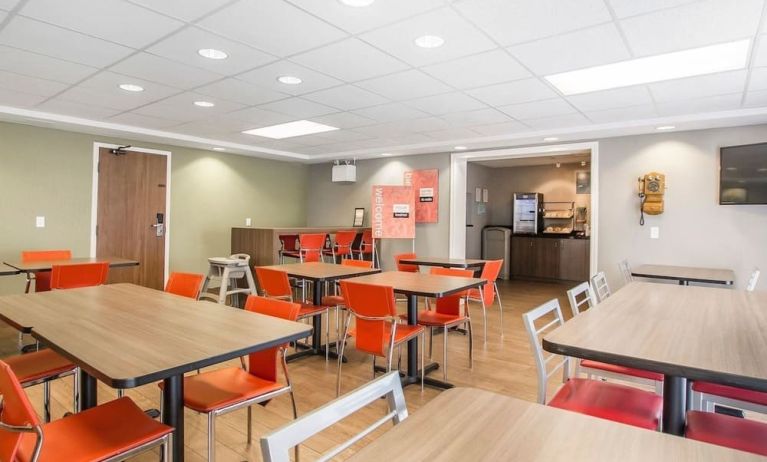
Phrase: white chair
(275, 447)
(581, 296)
(228, 271)
(751, 286)
(626, 271)
(542, 361)
(600, 286)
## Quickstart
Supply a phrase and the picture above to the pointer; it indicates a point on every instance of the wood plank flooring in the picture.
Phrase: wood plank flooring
(503, 365)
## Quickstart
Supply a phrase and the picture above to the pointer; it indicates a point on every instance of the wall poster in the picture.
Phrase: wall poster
(425, 185)
(393, 212)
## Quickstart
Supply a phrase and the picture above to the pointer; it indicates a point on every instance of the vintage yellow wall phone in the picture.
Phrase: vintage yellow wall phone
(651, 189)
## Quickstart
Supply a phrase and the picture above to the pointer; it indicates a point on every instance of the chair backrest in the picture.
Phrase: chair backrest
(43, 279)
(311, 246)
(275, 446)
(185, 284)
(600, 286)
(366, 242)
(490, 273)
(581, 297)
(288, 242)
(263, 364)
(451, 304)
(546, 365)
(17, 415)
(753, 280)
(625, 268)
(273, 283)
(344, 241)
(403, 266)
(357, 263)
(375, 312)
(79, 275)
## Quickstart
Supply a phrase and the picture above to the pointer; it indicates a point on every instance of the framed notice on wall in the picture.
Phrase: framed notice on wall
(425, 185)
(393, 212)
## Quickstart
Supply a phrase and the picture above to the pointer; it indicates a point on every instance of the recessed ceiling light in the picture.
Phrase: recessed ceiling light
(357, 3)
(429, 41)
(289, 79)
(385, 154)
(666, 127)
(219, 149)
(551, 138)
(290, 129)
(131, 87)
(688, 63)
(204, 103)
(460, 148)
(212, 53)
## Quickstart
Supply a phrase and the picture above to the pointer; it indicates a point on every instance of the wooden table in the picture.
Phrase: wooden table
(470, 424)
(320, 273)
(696, 333)
(685, 275)
(46, 265)
(126, 336)
(443, 262)
(415, 285)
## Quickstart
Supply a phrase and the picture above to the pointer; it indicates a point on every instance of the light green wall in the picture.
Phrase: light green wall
(48, 172)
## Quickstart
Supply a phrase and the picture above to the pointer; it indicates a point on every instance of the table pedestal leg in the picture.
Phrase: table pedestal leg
(173, 412)
(317, 348)
(674, 407)
(88, 391)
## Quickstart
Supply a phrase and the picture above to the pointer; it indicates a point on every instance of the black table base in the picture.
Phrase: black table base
(674, 404)
(173, 412)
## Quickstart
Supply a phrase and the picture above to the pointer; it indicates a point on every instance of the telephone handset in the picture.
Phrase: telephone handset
(651, 189)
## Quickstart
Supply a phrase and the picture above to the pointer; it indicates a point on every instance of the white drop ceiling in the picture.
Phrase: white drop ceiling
(61, 62)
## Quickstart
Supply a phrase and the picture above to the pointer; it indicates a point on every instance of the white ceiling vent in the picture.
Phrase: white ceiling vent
(344, 172)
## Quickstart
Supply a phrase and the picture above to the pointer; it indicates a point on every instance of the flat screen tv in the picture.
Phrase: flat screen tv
(743, 174)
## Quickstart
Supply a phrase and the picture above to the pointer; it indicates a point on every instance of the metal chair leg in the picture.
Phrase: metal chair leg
(341, 354)
(76, 391)
(295, 416)
(374, 367)
(327, 335)
(500, 305)
(423, 368)
(444, 354)
(167, 451)
(431, 342)
(120, 392)
(484, 318)
(471, 344)
(211, 437)
(47, 401)
(250, 424)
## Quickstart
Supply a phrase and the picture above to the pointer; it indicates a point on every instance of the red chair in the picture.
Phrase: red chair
(225, 390)
(404, 267)
(43, 278)
(368, 247)
(489, 291)
(724, 430)
(611, 401)
(115, 430)
(337, 301)
(275, 284)
(310, 247)
(288, 246)
(342, 247)
(185, 284)
(376, 330)
(706, 395)
(79, 275)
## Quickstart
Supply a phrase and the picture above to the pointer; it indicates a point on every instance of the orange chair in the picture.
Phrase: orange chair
(275, 284)
(368, 247)
(185, 284)
(79, 275)
(337, 301)
(489, 291)
(724, 430)
(342, 247)
(404, 267)
(288, 246)
(310, 247)
(222, 391)
(43, 278)
(112, 431)
(376, 330)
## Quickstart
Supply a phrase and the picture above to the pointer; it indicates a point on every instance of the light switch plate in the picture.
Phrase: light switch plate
(654, 232)
(40, 222)
(248, 222)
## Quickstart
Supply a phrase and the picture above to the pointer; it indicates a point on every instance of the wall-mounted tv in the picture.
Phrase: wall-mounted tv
(743, 174)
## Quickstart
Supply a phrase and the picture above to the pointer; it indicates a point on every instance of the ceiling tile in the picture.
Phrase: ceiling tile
(461, 38)
(18, 98)
(42, 38)
(405, 85)
(698, 87)
(516, 21)
(344, 120)
(183, 46)
(480, 117)
(113, 20)
(575, 50)
(346, 97)
(390, 112)
(266, 77)
(3, 15)
(504, 128)
(298, 108)
(759, 59)
(181, 107)
(143, 121)
(609, 99)
(645, 111)
(694, 25)
(259, 117)
(240, 92)
(356, 20)
(33, 64)
(8, 4)
(343, 135)
(709, 104)
(31, 85)
(487, 68)
(186, 10)
(273, 26)
(219, 125)
(519, 91)
(350, 60)
(387, 130)
(445, 103)
(538, 109)
(625, 8)
(452, 134)
(756, 99)
(86, 111)
(562, 121)
(427, 124)
(102, 90)
(155, 69)
(758, 79)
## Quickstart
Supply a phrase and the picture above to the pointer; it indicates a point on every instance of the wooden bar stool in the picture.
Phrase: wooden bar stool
(228, 271)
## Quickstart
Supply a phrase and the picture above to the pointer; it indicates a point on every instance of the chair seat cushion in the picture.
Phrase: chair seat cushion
(219, 388)
(333, 300)
(724, 430)
(96, 434)
(431, 318)
(610, 401)
(38, 365)
(614, 368)
(309, 309)
(751, 396)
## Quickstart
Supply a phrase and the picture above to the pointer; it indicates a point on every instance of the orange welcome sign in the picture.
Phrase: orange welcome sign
(393, 212)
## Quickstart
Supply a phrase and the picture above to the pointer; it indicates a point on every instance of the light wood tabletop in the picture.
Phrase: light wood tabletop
(421, 284)
(320, 272)
(444, 262)
(45, 265)
(685, 274)
(471, 424)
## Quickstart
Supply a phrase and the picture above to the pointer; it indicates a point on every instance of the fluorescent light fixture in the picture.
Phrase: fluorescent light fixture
(204, 103)
(357, 3)
(429, 41)
(212, 53)
(131, 87)
(551, 138)
(289, 79)
(219, 149)
(290, 129)
(460, 148)
(666, 127)
(676, 65)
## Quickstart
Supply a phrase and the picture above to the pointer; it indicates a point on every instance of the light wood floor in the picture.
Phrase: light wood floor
(503, 365)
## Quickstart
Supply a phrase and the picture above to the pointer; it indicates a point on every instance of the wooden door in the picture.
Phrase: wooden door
(521, 256)
(131, 194)
(546, 258)
(574, 260)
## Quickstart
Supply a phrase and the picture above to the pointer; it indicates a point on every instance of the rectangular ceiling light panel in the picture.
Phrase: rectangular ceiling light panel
(290, 129)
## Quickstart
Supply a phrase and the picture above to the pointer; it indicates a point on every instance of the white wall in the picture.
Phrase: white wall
(477, 176)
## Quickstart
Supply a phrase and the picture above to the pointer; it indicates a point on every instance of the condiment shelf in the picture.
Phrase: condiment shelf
(559, 217)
